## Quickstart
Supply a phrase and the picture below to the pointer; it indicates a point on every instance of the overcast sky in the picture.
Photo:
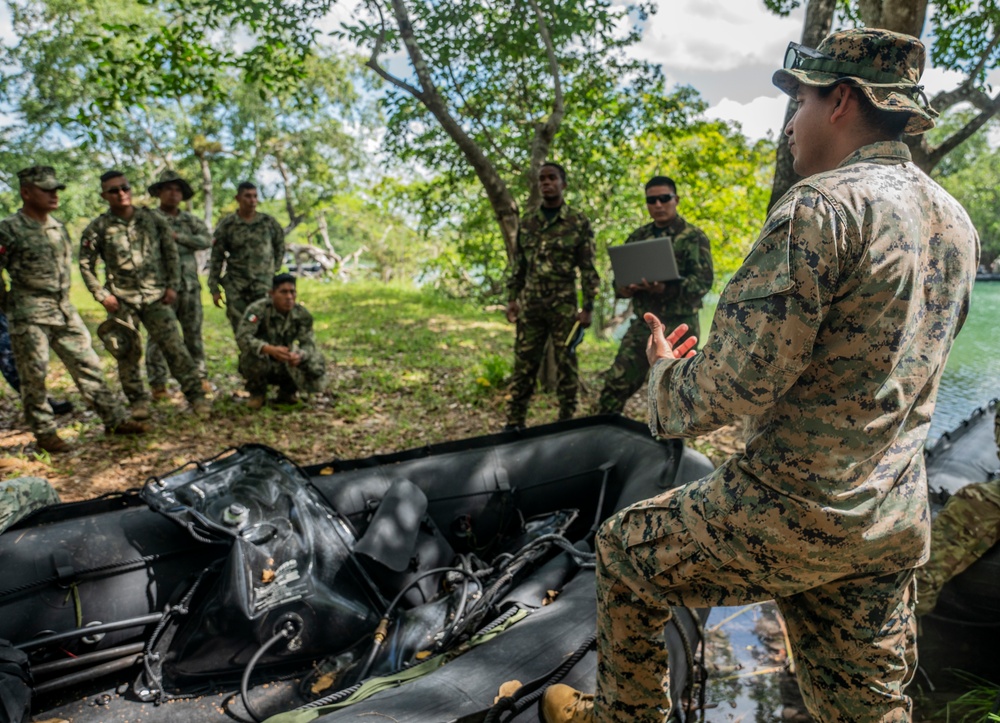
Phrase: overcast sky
(726, 49)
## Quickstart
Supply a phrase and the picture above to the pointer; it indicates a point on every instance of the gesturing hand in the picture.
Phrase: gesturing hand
(663, 347)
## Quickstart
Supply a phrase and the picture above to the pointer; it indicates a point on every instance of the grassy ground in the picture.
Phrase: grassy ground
(406, 368)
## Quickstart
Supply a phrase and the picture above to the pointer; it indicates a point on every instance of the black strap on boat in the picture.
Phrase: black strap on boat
(528, 694)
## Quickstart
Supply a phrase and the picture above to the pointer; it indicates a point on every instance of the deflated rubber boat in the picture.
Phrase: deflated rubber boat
(416, 586)
(962, 632)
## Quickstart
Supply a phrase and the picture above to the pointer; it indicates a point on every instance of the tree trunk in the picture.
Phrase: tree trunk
(817, 25)
(901, 16)
(206, 188)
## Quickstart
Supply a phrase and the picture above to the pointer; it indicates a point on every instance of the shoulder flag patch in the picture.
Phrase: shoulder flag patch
(252, 318)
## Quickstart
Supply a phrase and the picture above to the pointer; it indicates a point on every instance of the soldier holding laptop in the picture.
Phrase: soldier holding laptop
(674, 302)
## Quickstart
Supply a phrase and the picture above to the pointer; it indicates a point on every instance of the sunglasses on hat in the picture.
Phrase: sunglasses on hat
(796, 53)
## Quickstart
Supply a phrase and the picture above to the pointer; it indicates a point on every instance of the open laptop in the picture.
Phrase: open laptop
(652, 260)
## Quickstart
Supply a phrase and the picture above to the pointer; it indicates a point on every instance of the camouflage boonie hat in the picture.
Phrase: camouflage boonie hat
(42, 176)
(120, 338)
(886, 66)
(169, 175)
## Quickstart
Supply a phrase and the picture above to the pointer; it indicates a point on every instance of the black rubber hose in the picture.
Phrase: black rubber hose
(82, 632)
(287, 631)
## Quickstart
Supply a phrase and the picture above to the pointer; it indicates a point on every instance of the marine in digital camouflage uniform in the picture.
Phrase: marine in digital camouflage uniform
(964, 531)
(829, 341)
(21, 496)
(37, 255)
(142, 272)
(673, 302)
(252, 247)
(553, 241)
(277, 346)
(191, 235)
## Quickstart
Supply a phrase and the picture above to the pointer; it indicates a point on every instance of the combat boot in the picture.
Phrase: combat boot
(52, 443)
(202, 407)
(159, 393)
(287, 396)
(140, 410)
(256, 402)
(563, 704)
(128, 427)
(206, 386)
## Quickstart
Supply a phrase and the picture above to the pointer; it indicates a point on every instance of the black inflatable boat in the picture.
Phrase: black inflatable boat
(410, 586)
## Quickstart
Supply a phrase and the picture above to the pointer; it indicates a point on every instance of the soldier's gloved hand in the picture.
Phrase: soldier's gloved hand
(110, 303)
(169, 297)
(663, 347)
(217, 300)
(513, 309)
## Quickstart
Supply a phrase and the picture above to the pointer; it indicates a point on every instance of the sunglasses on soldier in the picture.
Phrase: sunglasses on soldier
(795, 54)
(118, 189)
(664, 198)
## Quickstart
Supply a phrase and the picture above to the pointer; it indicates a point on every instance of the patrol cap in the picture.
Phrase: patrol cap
(886, 66)
(168, 175)
(42, 176)
(120, 338)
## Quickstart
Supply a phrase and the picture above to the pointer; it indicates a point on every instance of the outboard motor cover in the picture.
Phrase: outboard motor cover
(290, 560)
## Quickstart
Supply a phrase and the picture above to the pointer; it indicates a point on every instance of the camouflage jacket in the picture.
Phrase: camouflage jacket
(548, 255)
(140, 257)
(830, 341)
(253, 251)
(191, 234)
(263, 324)
(693, 254)
(38, 260)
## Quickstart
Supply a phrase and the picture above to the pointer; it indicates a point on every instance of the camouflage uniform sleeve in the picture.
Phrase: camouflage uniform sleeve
(246, 333)
(91, 244)
(278, 244)
(168, 251)
(590, 282)
(305, 336)
(765, 325)
(515, 283)
(697, 269)
(218, 256)
(194, 234)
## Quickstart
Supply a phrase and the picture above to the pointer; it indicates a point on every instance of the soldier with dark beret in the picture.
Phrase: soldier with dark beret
(829, 341)
(277, 346)
(142, 271)
(673, 302)
(250, 247)
(553, 241)
(37, 255)
(191, 235)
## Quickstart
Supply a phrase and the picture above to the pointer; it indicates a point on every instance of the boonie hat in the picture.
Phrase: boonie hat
(886, 66)
(120, 338)
(168, 175)
(42, 176)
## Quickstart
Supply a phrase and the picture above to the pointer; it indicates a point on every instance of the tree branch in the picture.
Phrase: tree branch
(545, 132)
(377, 51)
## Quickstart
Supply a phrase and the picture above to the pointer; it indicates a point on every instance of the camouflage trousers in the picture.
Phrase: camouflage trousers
(260, 371)
(189, 314)
(71, 343)
(161, 323)
(853, 637)
(630, 368)
(533, 329)
(20, 497)
(238, 298)
(967, 527)
(7, 366)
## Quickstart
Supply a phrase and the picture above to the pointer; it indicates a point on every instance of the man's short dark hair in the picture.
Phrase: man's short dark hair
(889, 124)
(279, 279)
(113, 173)
(661, 181)
(551, 164)
(245, 186)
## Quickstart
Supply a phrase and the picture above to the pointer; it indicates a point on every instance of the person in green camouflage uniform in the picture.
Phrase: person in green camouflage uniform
(252, 246)
(142, 271)
(965, 529)
(36, 252)
(21, 496)
(829, 341)
(673, 302)
(191, 235)
(553, 241)
(277, 346)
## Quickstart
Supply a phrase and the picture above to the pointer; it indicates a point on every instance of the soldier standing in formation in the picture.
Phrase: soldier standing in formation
(553, 241)
(673, 302)
(37, 254)
(829, 341)
(142, 271)
(252, 246)
(191, 235)
(277, 346)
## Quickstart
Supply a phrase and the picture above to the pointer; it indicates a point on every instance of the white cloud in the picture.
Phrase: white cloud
(758, 118)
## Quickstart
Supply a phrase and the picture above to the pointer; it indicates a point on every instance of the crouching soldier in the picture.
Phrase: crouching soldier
(277, 346)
